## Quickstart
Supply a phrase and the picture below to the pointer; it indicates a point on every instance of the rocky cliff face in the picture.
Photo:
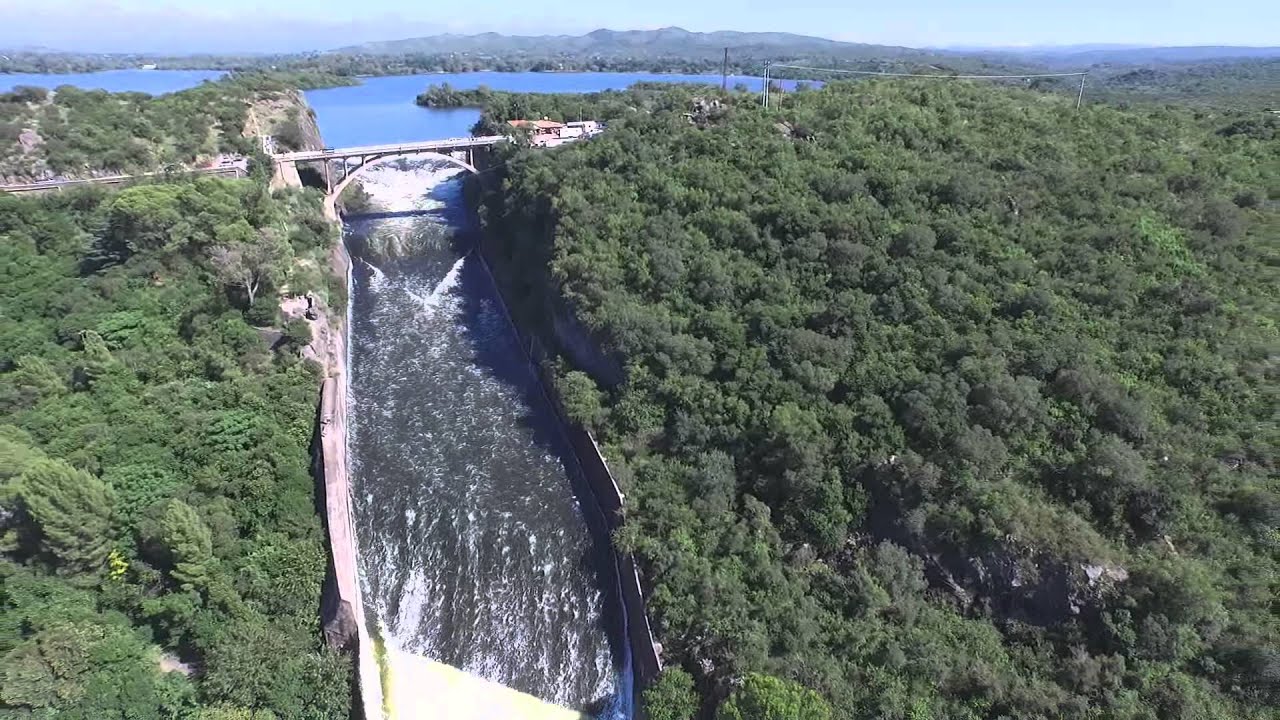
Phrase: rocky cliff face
(308, 127)
(1020, 584)
(287, 117)
(575, 340)
(1020, 577)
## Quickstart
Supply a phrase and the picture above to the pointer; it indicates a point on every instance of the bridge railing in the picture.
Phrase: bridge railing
(389, 148)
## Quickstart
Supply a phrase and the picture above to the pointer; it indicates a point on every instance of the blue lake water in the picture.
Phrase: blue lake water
(382, 109)
(153, 82)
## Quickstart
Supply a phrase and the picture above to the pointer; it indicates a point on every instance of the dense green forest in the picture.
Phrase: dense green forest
(85, 131)
(498, 106)
(160, 550)
(937, 400)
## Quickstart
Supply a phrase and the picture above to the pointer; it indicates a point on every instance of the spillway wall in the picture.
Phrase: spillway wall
(608, 497)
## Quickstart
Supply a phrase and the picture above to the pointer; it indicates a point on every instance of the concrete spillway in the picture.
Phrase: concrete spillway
(415, 687)
(486, 592)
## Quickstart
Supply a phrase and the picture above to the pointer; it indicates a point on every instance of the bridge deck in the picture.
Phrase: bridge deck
(390, 148)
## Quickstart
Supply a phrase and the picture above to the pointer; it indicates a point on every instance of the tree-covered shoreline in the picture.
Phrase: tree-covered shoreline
(1226, 82)
(940, 400)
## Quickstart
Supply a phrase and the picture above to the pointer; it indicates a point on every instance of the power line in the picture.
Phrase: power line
(1079, 98)
(942, 77)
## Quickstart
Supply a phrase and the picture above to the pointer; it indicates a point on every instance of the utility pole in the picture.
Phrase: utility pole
(724, 71)
(767, 63)
(1080, 97)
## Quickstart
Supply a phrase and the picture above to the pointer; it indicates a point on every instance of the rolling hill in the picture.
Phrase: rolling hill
(664, 42)
(1086, 56)
(678, 42)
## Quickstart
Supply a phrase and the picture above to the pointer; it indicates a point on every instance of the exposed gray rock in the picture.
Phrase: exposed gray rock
(575, 340)
(1036, 588)
(340, 627)
(29, 140)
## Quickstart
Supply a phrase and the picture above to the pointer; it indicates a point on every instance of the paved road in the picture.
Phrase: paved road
(239, 169)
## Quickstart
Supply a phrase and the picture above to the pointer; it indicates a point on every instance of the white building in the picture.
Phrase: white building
(580, 128)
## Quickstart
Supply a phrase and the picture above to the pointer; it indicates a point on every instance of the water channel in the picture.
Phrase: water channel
(474, 550)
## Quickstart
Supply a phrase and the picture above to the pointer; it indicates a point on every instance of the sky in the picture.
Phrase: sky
(294, 25)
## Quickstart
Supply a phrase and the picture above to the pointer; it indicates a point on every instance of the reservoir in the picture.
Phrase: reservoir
(152, 82)
(382, 109)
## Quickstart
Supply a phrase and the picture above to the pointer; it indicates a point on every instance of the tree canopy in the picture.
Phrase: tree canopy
(939, 400)
(160, 554)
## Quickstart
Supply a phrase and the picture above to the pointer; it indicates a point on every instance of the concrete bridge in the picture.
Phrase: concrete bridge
(459, 151)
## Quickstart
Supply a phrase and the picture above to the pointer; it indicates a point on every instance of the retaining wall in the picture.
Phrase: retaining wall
(342, 611)
(645, 652)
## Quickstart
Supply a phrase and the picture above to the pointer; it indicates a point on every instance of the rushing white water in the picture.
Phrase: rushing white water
(480, 575)
(446, 286)
(378, 275)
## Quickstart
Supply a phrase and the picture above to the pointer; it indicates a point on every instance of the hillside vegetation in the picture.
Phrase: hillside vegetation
(80, 133)
(160, 552)
(662, 50)
(1241, 84)
(938, 400)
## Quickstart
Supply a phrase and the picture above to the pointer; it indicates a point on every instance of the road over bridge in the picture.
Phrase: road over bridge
(407, 148)
(458, 151)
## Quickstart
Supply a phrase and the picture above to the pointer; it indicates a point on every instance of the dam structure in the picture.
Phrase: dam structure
(488, 586)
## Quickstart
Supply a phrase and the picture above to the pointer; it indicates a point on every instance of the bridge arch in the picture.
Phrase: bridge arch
(381, 159)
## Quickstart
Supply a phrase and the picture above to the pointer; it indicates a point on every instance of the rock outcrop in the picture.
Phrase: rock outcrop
(284, 115)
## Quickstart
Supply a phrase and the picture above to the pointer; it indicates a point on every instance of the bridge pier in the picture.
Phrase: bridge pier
(336, 180)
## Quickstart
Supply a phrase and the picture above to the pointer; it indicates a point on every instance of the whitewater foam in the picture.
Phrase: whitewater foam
(452, 473)
(402, 189)
(377, 273)
(443, 288)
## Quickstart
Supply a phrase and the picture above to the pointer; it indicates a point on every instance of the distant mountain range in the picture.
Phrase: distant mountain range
(665, 42)
(678, 42)
(673, 43)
